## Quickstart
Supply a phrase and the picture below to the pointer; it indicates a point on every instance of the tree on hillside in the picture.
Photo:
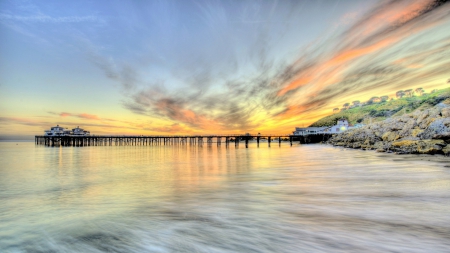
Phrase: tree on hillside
(346, 105)
(375, 99)
(384, 98)
(420, 91)
(356, 103)
(335, 110)
(399, 94)
(409, 92)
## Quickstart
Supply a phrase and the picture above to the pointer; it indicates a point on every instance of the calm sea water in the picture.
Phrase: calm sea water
(305, 198)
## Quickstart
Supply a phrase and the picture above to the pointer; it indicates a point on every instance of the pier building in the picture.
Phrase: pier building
(342, 125)
(60, 131)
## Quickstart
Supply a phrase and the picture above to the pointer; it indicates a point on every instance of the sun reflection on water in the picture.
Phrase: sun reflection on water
(310, 198)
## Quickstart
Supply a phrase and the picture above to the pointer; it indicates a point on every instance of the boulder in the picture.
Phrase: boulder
(446, 150)
(416, 131)
(445, 112)
(357, 145)
(442, 136)
(418, 146)
(396, 125)
(390, 136)
(438, 126)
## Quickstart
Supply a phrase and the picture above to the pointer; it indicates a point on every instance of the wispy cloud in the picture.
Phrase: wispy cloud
(24, 121)
(124, 74)
(170, 129)
(49, 19)
(384, 26)
(32, 19)
(80, 115)
(92, 117)
(390, 46)
(360, 50)
(48, 123)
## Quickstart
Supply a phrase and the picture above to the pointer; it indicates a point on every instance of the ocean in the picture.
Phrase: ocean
(182, 198)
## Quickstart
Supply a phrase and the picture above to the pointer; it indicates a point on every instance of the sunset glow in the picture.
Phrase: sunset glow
(186, 67)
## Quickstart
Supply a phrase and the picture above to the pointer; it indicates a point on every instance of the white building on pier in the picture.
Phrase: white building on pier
(80, 131)
(60, 131)
(55, 131)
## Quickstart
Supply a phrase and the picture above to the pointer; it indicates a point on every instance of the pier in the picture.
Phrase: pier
(149, 140)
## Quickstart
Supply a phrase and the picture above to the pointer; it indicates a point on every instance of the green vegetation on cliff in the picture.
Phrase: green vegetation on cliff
(380, 111)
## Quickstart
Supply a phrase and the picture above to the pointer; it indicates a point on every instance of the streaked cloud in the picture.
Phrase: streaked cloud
(88, 116)
(221, 66)
(48, 123)
(80, 115)
(49, 19)
(353, 61)
(170, 129)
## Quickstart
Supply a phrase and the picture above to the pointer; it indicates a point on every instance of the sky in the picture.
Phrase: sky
(205, 67)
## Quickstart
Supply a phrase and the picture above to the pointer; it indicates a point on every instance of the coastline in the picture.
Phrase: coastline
(421, 132)
(437, 158)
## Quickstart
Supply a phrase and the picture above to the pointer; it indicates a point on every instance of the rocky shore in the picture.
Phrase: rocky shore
(420, 132)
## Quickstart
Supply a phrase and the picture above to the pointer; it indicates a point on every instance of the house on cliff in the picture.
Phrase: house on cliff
(342, 125)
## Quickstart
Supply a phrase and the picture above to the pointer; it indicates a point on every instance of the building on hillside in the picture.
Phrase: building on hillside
(342, 125)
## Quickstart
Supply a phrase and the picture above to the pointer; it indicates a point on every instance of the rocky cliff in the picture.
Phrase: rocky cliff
(382, 110)
(420, 132)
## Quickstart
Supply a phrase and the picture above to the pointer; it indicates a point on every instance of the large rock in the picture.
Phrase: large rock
(445, 112)
(390, 136)
(407, 128)
(418, 146)
(446, 150)
(442, 136)
(438, 126)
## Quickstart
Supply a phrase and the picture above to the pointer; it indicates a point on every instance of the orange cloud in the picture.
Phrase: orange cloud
(415, 66)
(297, 83)
(176, 112)
(327, 72)
(81, 115)
(393, 13)
(401, 13)
(355, 53)
(172, 129)
(88, 116)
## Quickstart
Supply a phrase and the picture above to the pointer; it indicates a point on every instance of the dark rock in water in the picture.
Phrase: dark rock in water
(420, 132)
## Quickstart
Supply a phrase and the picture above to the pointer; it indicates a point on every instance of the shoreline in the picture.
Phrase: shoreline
(439, 158)
(420, 132)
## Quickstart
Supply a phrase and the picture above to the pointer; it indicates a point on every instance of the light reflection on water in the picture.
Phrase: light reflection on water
(309, 198)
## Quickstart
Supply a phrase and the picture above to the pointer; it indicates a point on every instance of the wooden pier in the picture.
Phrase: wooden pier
(143, 140)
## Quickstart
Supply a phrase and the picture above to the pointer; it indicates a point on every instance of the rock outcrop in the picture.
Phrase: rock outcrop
(420, 132)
